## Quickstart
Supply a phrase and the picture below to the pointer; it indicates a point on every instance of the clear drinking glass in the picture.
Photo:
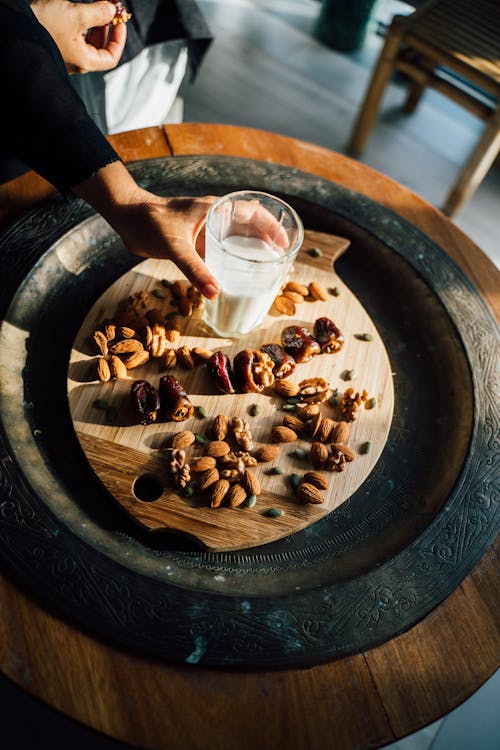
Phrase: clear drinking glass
(251, 241)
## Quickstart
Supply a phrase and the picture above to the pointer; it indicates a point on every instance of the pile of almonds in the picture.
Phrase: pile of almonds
(293, 293)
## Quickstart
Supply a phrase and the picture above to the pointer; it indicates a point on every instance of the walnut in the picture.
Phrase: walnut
(242, 434)
(349, 404)
(139, 303)
(336, 461)
(314, 390)
(179, 469)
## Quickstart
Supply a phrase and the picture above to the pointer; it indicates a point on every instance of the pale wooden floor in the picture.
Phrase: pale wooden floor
(266, 70)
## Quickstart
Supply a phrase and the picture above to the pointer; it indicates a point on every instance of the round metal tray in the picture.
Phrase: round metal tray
(361, 575)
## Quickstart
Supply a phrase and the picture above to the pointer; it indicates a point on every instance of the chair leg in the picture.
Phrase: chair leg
(376, 87)
(414, 95)
(476, 167)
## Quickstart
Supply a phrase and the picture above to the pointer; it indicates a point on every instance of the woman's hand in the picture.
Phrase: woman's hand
(152, 226)
(83, 32)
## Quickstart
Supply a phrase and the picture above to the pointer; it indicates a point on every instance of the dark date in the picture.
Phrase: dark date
(219, 369)
(175, 404)
(145, 402)
(328, 336)
(299, 343)
(283, 363)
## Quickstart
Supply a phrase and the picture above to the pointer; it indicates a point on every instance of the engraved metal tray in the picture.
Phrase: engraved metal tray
(358, 577)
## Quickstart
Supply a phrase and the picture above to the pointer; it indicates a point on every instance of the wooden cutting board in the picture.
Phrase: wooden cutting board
(130, 459)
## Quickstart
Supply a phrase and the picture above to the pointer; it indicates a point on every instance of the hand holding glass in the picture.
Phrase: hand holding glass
(251, 241)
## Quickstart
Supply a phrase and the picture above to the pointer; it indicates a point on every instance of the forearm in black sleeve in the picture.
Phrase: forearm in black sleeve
(44, 123)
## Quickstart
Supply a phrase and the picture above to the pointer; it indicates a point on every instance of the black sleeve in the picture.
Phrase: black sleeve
(44, 122)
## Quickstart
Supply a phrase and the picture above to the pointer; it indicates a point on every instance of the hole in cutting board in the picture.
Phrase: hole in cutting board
(147, 488)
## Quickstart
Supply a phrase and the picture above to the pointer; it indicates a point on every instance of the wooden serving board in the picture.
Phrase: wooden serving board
(120, 452)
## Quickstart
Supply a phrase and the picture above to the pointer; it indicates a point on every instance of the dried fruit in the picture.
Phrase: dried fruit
(280, 434)
(251, 483)
(145, 401)
(117, 368)
(317, 291)
(219, 369)
(184, 357)
(217, 448)
(220, 427)
(218, 492)
(336, 461)
(314, 390)
(350, 402)
(328, 335)
(204, 463)
(318, 454)
(183, 439)
(136, 359)
(284, 305)
(126, 346)
(207, 478)
(100, 342)
(242, 434)
(253, 370)
(316, 479)
(102, 370)
(283, 363)
(299, 343)
(266, 453)
(340, 432)
(285, 388)
(175, 404)
(308, 493)
(236, 496)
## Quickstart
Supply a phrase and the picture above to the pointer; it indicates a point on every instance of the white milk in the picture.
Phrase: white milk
(247, 286)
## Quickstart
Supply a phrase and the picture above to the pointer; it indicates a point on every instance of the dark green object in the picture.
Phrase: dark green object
(315, 252)
(274, 512)
(371, 403)
(166, 282)
(200, 439)
(100, 403)
(365, 448)
(342, 24)
(275, 470)
(159, 292)
(255, 409)
(295, 480)
(363, 336)
(335, 291)
(250, 501)
(200, 412)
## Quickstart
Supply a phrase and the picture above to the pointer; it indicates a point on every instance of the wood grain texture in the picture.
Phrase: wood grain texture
(123, 452)
(349, 703)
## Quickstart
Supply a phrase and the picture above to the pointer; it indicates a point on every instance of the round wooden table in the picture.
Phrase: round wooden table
(365, 700)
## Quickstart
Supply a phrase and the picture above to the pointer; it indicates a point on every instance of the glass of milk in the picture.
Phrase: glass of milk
(251, 241)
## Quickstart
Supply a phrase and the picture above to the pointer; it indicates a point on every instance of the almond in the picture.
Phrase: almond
(184, 357)
(136, 359)
(284, 305)
(127, 346)
(103, 371)
(207, 478)
(200, 354)
(283, 435)
(218, 491)
(123, 317)
(308, 412)
(220, 427)
(286, 388)
(314, 424)
(340, 432)
(294, 423)
(349, 454)
(117, 368)
(316, 479)
(324, 429)
(138, 323)
(124, 332)
(185, 306)
(180, 288)
(294, 286)
(172, 334)
(183, 439)
(170, 359)
(146, 336)
(100, 342)
(294, 296)
(251, 483)
(236, 496)
(156, 317)
(308, 493)
(318, 454)
(317, 291)
(204, 463)
(266, 453)
(217, 448)
(109, 331)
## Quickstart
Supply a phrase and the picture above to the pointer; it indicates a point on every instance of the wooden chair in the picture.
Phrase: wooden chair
(454, 47)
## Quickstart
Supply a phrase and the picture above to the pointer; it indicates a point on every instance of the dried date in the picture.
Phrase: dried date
(145, 401)
(175, 404)
(219, 369)
(328, 336)
(299, 343)
(283, 363)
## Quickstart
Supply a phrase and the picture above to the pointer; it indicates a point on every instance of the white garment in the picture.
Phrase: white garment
(142, 92)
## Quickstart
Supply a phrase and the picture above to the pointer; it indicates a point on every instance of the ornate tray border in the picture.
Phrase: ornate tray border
(279, 631)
